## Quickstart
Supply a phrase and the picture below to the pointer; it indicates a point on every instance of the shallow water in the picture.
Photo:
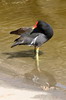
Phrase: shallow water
(20, 60)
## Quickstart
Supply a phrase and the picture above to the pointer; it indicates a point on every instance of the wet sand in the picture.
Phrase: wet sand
(16, 94)
(15, 87)
(19, 90)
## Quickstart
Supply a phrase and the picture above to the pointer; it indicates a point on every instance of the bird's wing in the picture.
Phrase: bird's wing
(33, 39)
(22, 41)
(22, 30)
(39, 40)
(25, 39)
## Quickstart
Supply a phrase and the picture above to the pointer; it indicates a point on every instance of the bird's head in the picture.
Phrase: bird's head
(40, 24)
(44, 28)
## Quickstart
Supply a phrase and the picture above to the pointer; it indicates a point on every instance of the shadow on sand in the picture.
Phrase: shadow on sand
(26, 53)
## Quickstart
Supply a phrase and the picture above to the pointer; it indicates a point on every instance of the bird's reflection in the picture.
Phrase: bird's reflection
(41, 79)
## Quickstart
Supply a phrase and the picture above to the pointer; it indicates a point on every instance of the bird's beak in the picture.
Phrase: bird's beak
(35, 25)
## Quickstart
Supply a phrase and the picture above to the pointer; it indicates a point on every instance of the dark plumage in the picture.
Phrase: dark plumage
(35, 36)
(40, 34)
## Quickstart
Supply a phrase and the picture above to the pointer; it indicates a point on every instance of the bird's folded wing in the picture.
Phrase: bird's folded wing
(21, 30)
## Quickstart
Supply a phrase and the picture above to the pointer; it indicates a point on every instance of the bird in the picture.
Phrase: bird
(35, 36)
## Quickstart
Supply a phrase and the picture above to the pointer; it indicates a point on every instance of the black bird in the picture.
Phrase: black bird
(34, 36)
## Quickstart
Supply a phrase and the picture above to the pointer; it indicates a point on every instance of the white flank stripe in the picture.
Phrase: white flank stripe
(34, 40)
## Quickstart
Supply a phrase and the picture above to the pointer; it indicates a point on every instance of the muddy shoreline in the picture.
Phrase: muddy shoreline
(14, 86)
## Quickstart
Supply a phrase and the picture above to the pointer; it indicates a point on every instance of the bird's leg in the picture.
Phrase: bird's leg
(37, 58)
(35, 50)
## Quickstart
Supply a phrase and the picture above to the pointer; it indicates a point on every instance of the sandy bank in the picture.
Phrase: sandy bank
(15, 89)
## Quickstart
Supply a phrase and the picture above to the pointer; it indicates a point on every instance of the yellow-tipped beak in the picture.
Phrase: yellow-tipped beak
(33, 27)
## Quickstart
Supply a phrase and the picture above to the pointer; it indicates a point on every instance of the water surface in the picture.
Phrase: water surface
(19, 60)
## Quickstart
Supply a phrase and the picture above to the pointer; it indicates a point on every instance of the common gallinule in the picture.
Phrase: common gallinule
(35, 36)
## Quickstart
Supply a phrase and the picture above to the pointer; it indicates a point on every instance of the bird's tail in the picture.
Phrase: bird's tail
(15, 44)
